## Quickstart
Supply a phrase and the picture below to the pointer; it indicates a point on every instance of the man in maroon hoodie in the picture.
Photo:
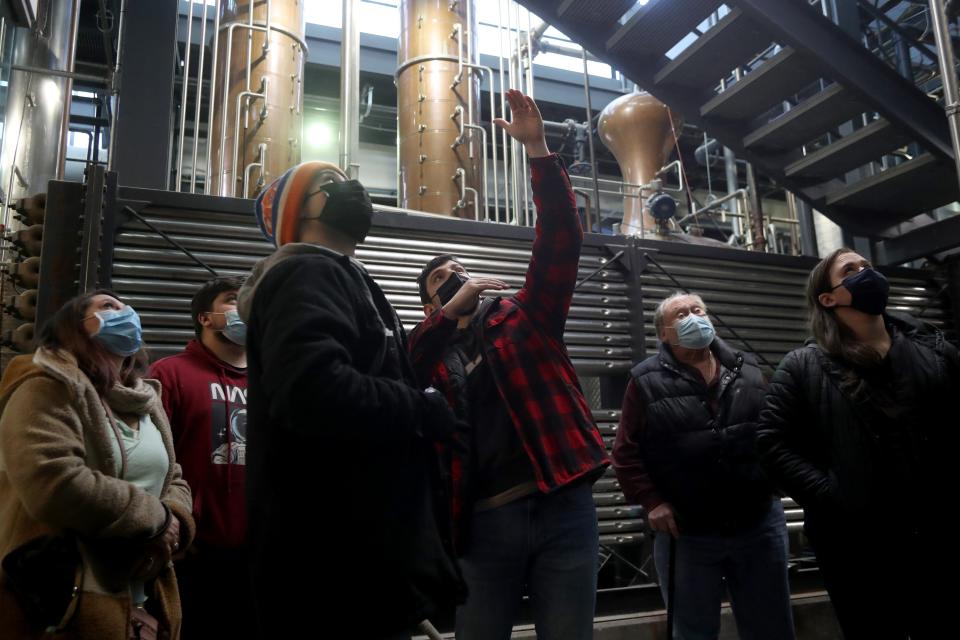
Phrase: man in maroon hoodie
(205, 396)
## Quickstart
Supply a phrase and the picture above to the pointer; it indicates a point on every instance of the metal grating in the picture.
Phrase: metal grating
(595, 12)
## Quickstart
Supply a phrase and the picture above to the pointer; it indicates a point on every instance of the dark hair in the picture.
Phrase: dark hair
(428, 269)
(203, 299)
(64, 331)
(832, 335)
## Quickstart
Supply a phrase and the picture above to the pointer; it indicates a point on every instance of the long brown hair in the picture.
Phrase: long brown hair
(832, 335)
(64, 331)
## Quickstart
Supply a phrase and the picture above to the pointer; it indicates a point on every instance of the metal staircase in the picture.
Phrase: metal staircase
(846, 110)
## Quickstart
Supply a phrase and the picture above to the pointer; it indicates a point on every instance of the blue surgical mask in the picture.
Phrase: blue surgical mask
(695, 332)
(236, 329)
(120, 332)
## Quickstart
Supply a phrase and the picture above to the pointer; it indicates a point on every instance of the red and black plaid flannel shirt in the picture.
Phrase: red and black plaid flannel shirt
(524, 347)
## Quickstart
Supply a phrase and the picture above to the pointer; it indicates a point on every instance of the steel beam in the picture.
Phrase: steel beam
(924, 241)
(145, 116)
(793, 23)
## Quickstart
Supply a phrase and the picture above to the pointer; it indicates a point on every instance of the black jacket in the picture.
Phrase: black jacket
(345, 515)
(702, 460)
(846, 460)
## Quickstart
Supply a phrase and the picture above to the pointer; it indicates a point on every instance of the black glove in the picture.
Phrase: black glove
(439, 423)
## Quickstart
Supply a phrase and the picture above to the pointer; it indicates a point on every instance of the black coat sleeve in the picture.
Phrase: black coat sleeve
(784, 425)
(308, 335)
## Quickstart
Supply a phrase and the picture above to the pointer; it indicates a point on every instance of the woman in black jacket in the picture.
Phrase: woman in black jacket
(858, 427)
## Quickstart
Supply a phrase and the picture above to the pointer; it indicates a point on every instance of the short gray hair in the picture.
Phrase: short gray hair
(662, 307)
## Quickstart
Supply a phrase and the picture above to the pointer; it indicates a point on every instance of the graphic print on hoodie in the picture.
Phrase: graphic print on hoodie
(228, 427)
(206, 401)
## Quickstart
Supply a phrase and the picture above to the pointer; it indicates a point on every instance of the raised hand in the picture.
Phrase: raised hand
(526, 124)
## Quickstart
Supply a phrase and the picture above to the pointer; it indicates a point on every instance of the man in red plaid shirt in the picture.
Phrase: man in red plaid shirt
(522, 480)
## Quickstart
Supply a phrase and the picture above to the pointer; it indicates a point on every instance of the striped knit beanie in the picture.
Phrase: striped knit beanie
(278, 207)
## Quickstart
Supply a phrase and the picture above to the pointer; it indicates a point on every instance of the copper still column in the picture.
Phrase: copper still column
(638, 131)
(436, 99)
(258, 101)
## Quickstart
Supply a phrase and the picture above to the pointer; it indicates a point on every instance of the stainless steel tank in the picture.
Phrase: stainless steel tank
(34, 125)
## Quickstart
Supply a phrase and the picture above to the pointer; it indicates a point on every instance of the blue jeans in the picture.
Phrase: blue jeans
(754, 565)
(548, 543)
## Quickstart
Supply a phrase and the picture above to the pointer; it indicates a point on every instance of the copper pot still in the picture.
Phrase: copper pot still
(640, 132)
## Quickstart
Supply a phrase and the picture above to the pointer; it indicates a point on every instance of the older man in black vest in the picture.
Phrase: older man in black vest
(686, 451)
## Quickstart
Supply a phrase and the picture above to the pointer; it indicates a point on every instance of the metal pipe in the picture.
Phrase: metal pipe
(72, 75)
(469, 29)
(880, 16)
(184, 90)
(250, 7)
(564, 50)
(503, 114)
(493, 132)
(114, 87)
(476, 201)
(587, 208)
(260, 162)
(808, 230)
(619, 193)
(739, 193)
(524, 184)
(536, 35)
(755, 211)
(530, 92)
(236, 127)
(458, 117)
(369, 104)
(68, 91)
(208, 177)
(730, 165)
(654, 185)
(486, 200)
(713, 211)
(196, 113)
(566, 125)
(941, 31)
(681, 186)
(461, 175)
(493, 144)
(593, 157)
(266, 41)
(223, 117)
(514, 179)
(5, 215)
(349, 89)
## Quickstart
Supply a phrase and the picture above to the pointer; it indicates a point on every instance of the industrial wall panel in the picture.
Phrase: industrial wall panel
(759, 296)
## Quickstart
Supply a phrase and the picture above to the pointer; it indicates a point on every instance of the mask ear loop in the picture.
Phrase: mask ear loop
(327, 177)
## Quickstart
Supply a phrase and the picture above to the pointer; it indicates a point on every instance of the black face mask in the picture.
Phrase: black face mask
(451, 286)
(348, 208)
(868, 289)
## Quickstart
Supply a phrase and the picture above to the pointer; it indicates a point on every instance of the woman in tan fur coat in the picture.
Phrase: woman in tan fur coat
(87, 461)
